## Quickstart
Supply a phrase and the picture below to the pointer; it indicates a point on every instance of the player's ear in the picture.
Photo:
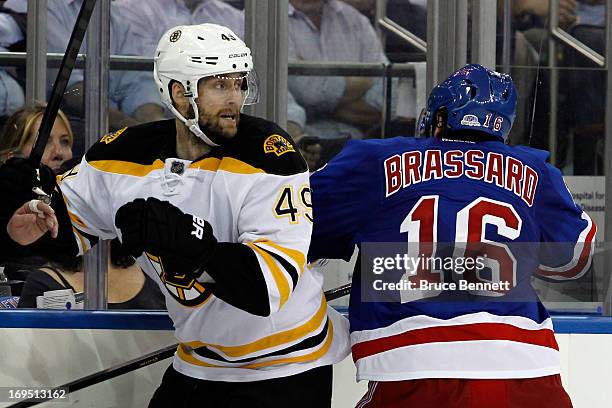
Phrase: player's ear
(179, 100)
(440, 119)
(439, 127)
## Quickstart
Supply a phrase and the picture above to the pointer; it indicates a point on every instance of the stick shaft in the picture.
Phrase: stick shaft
(147, 359)
(59, 87)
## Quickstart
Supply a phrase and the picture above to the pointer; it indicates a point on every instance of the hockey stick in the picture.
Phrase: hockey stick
(59, 87)
(143, 361)
(338, 292)
(104, 375)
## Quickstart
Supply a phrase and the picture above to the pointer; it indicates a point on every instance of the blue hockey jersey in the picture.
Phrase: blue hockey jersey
(436, 197)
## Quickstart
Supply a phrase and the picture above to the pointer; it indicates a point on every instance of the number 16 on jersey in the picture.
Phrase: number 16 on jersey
(496, 259)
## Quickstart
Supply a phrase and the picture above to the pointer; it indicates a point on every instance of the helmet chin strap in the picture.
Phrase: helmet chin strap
(192, 124)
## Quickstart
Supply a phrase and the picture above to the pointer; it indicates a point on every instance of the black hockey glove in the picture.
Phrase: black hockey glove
(17, 178)
(184, 242)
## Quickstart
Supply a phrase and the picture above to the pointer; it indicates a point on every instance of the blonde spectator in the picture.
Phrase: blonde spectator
(18, 135)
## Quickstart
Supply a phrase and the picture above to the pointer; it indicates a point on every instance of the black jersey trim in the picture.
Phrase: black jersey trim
(285, 264)
(308, 343)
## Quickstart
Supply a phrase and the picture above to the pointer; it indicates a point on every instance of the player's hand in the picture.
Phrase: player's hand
(163, 230)
(31, 221)
(17, 178)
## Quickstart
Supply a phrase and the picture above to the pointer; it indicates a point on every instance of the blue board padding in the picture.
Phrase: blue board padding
(85, 319)
(145, 320)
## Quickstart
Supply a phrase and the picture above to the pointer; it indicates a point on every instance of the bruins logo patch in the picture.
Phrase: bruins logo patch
(278, 145)
(112, 136)
(174, 37)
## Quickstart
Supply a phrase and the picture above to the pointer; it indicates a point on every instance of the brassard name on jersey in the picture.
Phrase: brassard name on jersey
(506, 172)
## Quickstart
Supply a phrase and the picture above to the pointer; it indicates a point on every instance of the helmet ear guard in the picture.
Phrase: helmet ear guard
(421, 127)
(428, 122)
(440, 121)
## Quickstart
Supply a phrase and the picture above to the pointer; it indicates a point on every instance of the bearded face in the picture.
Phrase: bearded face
(219, 102)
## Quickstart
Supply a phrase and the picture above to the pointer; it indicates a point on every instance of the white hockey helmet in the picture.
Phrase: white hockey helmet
(191, 52)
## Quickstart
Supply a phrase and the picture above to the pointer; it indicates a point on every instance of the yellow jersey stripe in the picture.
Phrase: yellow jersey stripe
(273, 340)
(228, 164)
(211, 163)
(129, 168)
(277, 274)
(84, 246)
(296, 255)
(232, 165)
(76, 220)
(152, 257)
(183, 355)
(300, 359)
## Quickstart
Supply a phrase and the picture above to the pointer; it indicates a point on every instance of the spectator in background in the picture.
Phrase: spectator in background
(133, 95)
(591, 12)
(585, 93)
(19, 133)
(149, 20)
(11, 92)
(128, 286)
(533, 13)
(16, 139)
(335, 106)
(529, 48)
(410, 14)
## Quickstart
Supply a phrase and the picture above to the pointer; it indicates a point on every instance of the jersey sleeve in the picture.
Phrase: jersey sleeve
(260, 271)
(260, 267)
(567, 232)
(342, 197)
(86, 196)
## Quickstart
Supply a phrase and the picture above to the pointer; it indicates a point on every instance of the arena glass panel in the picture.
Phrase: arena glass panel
(561, 109)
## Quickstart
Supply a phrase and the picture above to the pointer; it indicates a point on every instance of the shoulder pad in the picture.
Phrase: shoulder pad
(265, 145)
(141, 144)
(375, 147)
(539, 154)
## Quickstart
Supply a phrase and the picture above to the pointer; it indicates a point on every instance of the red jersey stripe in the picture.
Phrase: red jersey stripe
(464, 332)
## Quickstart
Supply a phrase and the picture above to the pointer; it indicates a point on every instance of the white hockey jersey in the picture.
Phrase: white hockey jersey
(255, 193)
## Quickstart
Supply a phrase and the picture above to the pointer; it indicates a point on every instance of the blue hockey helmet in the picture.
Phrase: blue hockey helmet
(473, 98)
